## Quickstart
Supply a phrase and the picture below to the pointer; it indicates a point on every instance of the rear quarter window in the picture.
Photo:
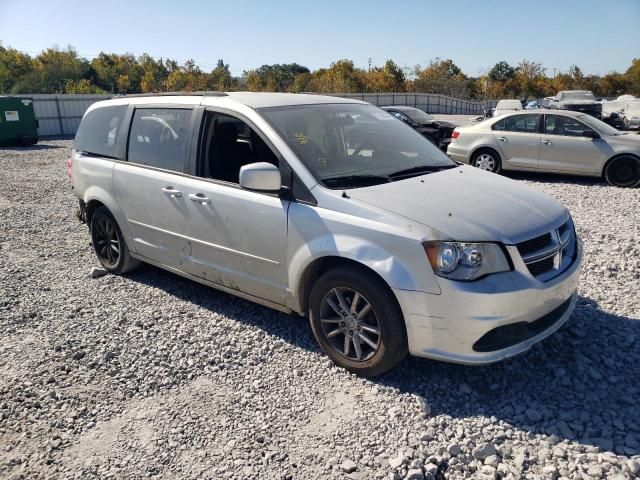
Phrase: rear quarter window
(98, 131)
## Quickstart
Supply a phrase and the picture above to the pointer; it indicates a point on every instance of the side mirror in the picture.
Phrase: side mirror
(590, 134)
(260, 176)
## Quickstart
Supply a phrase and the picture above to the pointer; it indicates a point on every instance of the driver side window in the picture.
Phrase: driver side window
(229, 143)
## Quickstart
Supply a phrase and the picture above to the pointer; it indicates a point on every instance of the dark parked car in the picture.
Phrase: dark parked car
(437, 131)
(577, 100)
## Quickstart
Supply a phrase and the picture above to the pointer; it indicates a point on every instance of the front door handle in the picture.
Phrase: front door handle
(172, 192)
(547, 142)
(502, 139)
(199, 197)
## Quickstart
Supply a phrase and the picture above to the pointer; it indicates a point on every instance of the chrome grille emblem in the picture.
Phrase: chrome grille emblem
(555, 239)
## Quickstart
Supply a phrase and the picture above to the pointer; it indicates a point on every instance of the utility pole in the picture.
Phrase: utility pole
(554, 72)
(369, 63)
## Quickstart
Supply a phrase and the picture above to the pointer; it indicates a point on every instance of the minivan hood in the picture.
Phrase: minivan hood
(468, 204)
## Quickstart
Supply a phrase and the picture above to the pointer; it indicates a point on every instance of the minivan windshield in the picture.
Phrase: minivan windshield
(352, 145)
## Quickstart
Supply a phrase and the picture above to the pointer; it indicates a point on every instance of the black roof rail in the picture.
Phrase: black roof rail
(206, 93)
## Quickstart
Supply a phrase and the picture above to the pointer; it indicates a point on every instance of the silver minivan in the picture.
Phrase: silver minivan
(333, 209)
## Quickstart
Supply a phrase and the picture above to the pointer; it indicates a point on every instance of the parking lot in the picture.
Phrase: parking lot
(153, 376)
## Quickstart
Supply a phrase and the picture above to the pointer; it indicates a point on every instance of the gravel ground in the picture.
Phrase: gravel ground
(153, 376)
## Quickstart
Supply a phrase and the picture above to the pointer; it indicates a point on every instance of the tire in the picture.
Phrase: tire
(487, 159)
(109, 243)
(379, 352)
(623, 171)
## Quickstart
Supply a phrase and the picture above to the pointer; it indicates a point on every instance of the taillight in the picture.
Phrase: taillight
(455, 134)
(69, 165)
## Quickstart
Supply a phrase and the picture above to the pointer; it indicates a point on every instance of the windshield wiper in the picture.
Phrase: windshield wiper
(359, 180)
(419, 170)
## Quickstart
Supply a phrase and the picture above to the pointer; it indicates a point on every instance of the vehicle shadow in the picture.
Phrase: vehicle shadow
(38, 146)
(580, 384)
(555, 178)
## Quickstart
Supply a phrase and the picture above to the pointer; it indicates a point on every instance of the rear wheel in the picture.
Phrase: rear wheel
(357, 321)
(109, 244)
(623, 171)
(487, 160)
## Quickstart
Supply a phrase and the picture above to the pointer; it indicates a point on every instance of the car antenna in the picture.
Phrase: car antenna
(345, 194)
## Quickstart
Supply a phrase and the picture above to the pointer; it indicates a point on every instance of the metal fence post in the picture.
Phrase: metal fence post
(59, 116)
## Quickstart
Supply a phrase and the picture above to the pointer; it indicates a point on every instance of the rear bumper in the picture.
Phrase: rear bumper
(490, 319)
(456, 153)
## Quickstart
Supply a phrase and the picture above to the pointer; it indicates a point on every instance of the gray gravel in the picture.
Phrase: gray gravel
(153, 376)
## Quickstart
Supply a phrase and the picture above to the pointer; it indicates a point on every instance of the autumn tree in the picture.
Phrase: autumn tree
(188, 78)
(14, 65)
(389, 78)
(442, 77)
(154, 73)
(341, 77)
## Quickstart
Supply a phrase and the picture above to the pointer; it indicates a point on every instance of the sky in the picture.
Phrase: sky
(598, 36)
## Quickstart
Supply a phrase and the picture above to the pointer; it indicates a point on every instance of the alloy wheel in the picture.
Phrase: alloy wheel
(485, 161)
(107, 244)
(350, 324)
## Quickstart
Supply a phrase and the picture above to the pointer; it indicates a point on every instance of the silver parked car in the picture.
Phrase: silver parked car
(630, 115)
(550, 141)
(335, 210)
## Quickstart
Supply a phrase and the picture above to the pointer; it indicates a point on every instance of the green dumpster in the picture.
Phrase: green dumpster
(18, 124)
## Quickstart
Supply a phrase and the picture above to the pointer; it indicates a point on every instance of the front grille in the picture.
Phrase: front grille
(543, 266)
(509, 335)
(535, 244)
(548, 255)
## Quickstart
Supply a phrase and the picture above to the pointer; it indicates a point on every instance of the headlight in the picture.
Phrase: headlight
(465, 261)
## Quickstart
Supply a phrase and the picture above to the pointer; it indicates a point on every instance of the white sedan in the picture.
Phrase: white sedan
(550, 141)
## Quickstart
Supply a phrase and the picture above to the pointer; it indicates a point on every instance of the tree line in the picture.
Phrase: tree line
(57, 70)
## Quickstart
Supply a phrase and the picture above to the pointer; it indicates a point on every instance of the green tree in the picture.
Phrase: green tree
(501, 72)
(220, 77)
(55, 67)
(274, 78)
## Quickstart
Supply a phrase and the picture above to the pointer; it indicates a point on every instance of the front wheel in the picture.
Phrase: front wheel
(487, 160)
(357, 321)
(623, 171)
(109, 244)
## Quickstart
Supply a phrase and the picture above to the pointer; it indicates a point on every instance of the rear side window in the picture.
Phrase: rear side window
(98, 131)
(518, 123)
(159, 137)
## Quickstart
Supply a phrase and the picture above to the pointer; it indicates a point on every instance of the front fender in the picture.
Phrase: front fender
(406, 269)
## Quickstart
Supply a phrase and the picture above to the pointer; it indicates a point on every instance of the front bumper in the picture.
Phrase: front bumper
(454, 325)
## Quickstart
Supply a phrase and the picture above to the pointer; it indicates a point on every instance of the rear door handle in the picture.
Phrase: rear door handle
(199, 197)
(547, 142)
(502, 139)
(172, 192)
